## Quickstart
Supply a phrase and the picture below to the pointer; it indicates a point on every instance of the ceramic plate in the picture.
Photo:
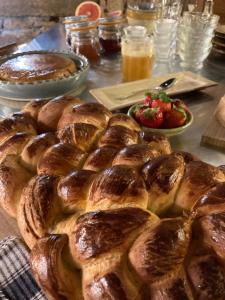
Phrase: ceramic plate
(186, 82)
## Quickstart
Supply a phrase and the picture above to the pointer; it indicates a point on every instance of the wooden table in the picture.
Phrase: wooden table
(201, 103)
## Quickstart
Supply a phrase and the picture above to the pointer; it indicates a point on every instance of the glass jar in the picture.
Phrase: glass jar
(85, 40)
(143, 13)
(69, 22)
(110, 31)
(137, 53)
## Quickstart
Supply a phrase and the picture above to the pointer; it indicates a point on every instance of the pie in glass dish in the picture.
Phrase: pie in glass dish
(36, 66)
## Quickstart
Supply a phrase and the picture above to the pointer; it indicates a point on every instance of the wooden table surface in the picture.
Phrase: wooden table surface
(201, 103)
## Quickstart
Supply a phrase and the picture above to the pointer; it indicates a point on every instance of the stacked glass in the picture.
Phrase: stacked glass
(166, 30)
(194, 38)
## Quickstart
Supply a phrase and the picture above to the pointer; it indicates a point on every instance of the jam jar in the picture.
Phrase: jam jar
(110, 31)
(85, 40)
(69, 22)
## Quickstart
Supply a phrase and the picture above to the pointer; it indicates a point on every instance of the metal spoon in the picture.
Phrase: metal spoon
(163, 86)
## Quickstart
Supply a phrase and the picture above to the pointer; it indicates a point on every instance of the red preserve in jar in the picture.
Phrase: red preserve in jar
(110, 31)
(85, 40)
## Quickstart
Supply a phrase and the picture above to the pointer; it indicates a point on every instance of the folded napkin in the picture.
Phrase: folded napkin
(16, 280)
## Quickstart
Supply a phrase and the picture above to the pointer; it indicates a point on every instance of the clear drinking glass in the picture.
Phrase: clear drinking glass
(194, 38)
(166, 30)
(165, 39)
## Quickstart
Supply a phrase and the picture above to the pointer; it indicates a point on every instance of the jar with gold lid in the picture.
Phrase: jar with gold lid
(85, 40)
(69, 22)
(110, 31)
(144, 13)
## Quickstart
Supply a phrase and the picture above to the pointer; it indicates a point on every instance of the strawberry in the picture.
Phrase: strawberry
(151, 117)
(160, 100)
(164, 106)
(176, 117)
(148, 99)
(138, 110)
(180, 104)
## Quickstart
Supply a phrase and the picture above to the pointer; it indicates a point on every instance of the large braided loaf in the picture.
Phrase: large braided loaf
(109, 211)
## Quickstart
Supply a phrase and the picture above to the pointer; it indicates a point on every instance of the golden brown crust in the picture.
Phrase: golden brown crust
(160, 250)
(51, 112)
(162, 177)
(18, 122)
(38, 208)
(80, 134)
(58, 280)
(211, 202)
(135, 155)
(35, 149)
(108, 286)
(74, 189)
(13, 178)
(14, 144)
(116, 187)
(157, 141)
(207, 277)
(100, 231)
(88, 113)
(61, 159)
(199, 177)
(188, 157)
(33, 107)
(124, 120)
(100, 159)
(37, 66)
(175, 287)
(118, 136)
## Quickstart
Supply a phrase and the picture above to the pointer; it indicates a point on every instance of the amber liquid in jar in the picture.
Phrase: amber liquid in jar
(136, 68)
(85, 41)
(91, 51)
(137, 54)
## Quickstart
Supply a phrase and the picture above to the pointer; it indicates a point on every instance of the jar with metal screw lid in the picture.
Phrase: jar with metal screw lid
(85, 40)
(69, 22)
(110, 31)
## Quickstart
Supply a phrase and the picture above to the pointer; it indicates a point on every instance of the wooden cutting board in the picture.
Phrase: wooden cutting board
(214, 134)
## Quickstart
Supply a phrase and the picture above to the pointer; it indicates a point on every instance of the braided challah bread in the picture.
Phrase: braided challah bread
(109, 211)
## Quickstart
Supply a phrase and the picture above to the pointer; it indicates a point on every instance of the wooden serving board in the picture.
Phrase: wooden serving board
(214, 134)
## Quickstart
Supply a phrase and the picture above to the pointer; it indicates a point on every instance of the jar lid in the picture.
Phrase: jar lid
(85, 26)
(136, 32)
(111, 20)
(74, 19)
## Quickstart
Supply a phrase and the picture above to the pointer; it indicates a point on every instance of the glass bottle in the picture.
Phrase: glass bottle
(69, 22)
(85, 40)
(137, 53)
(110, 32)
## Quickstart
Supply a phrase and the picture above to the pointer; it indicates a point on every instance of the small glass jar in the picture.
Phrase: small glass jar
(137, 53)
(143, 13)
(69, 22)
(110, 32)
(85, 40)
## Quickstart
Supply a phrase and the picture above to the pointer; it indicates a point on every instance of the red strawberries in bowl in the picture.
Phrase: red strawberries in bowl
(160, 111)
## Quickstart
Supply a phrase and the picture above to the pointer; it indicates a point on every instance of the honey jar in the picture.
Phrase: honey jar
(137, 53)
(85, 40)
